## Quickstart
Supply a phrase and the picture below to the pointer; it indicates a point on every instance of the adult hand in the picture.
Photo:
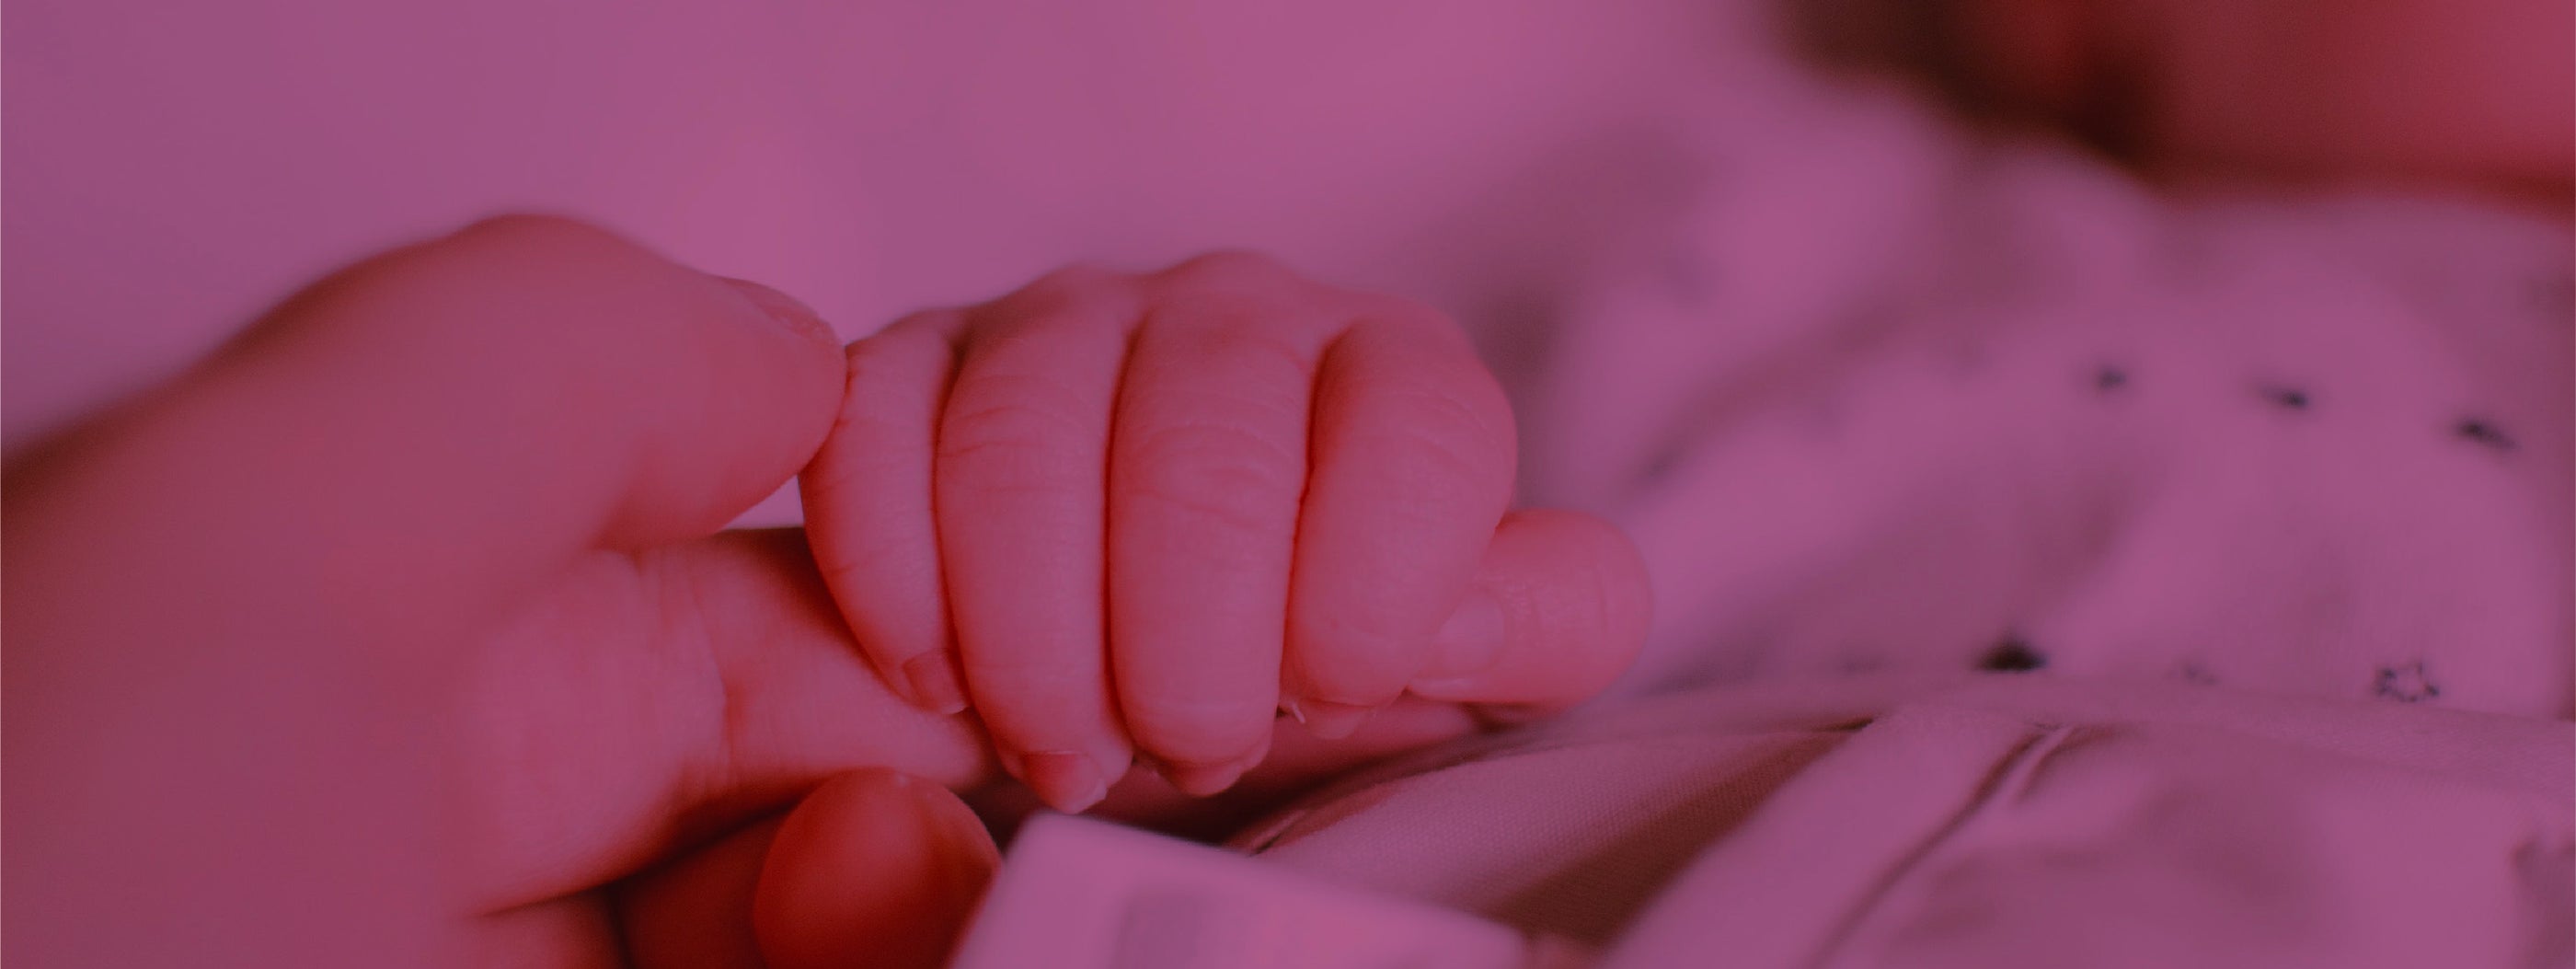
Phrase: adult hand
(400, 632)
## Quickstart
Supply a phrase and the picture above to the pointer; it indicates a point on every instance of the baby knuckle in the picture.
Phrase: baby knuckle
(1438, 455)
(1255, 340)
(1208, 510)
(1268, 356)
(1018, 424)
(1229, 267)
(539, 232)
(1197, 731)
(1232, 477)
(1038, 686)
(1358, 649)
(1076, 284)
(1244, 455)
(891, 357)
(1044, 332)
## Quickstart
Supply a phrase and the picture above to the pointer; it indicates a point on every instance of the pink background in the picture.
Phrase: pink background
(173, 168)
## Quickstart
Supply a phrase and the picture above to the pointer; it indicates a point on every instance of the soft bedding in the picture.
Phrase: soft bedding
(2050, 572)
(1983, 821)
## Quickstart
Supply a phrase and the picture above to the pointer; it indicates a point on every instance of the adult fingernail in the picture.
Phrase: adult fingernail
(936, 687)
(1471, 641)
(1329, 720)
(870, 863)
(952, 820)
(1067, 780)
(787, 310)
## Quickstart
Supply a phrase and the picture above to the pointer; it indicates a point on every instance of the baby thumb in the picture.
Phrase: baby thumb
(1559, 608)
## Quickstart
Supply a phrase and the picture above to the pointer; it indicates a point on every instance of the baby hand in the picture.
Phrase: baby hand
(1137, 514)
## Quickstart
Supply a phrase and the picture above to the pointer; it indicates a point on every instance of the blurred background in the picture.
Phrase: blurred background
(174, 168)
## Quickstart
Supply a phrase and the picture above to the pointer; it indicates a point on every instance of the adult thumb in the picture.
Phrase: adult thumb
(873, 868)
(424, 434)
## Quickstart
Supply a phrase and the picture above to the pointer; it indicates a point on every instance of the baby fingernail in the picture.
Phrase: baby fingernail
(936, 686)
(1332, 721)
(1471, 641)
(787, 310)
(1068, 781)
(1201, 780)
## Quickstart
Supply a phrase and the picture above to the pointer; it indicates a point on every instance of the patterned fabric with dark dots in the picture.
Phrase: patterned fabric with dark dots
(2481, 432)
(2241, 500)
(2286, 398)
(2012, 655)
(2251, 444)
(2406, 684)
